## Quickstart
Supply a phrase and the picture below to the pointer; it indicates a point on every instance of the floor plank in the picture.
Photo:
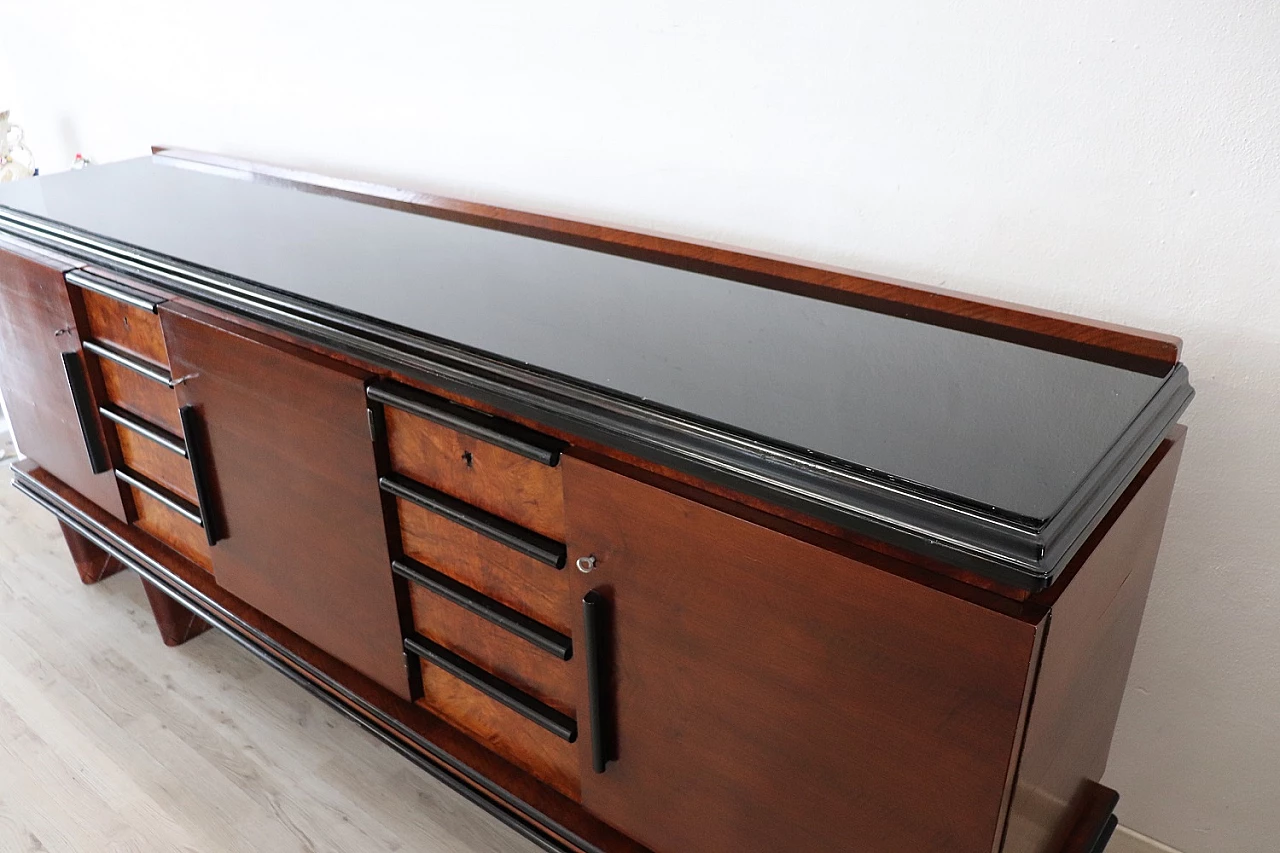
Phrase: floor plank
(111, 741)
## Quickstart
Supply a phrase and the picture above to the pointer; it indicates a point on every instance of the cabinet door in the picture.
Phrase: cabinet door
(768, 694)
(291, 474)
(42, 373)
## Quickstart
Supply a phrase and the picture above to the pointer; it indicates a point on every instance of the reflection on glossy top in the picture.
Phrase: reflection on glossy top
(1008, 427)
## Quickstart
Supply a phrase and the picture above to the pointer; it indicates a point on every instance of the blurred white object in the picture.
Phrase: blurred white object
(81, 161)
(16, 160)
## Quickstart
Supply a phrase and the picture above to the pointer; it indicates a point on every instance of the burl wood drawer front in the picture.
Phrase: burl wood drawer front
(515, 579)
(176, 528)
(130, 326)
(523, 742)
(137, 386)
(152, 451)
(490, 463)
(523, 653)
(769, 694)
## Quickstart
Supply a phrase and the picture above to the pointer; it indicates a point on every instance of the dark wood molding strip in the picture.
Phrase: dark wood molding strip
(548, 833)
(144, 428)
(561, 725)
(494, 430)
(514, 536)
(137, 365)
(150, 487)
(114, 290)
(529, 630)
(1120, 346)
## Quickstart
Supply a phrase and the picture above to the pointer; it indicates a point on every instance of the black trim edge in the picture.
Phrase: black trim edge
(561, 725)
(475, 788)
(514, 536)
(137, 365)
(114, 290)
(178, 504)
(508, 435)
(530, 630)
(145, 428)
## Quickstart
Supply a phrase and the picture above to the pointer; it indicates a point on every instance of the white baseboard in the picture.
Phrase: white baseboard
(1127, 841)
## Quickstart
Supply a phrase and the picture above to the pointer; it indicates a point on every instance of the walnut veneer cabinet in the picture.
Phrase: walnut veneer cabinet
(638, 544)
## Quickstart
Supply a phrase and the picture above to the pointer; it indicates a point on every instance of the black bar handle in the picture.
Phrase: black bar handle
(495, 430)
(596, 640)
(530, 630)
(518, 538)
(561, 725)
(99, 463)
(193, 435)
(114, 290)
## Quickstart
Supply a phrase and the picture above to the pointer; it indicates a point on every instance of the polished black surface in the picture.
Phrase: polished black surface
(986, 423)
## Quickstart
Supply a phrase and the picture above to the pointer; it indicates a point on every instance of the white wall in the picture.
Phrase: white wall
(1115, 158)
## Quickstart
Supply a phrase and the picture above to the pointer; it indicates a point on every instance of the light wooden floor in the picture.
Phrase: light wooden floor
(112, 742)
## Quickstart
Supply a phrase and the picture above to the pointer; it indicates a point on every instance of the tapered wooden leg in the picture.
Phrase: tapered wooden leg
(177, 624)
(92, 562)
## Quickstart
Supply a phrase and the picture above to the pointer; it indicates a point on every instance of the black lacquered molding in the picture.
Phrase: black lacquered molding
(968, 536)
(113, 290)
(595, 639)
(529, 630)
(123, 359)
(193, 429)
(146, 485)
(514, 536)
(561, 725)
(144, 428)
(505, 434)
(78, 384)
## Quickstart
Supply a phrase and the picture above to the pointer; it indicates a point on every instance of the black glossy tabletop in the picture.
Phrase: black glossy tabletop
(995, 423)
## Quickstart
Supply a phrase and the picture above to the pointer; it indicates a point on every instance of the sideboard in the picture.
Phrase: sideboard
(638, 544)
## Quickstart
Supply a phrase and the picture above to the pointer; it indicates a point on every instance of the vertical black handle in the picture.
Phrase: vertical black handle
(193, 433)
(596, 641)
(79, 385)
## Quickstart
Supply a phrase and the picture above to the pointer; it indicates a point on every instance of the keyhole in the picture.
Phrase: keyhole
(126, 324)
(466, 457)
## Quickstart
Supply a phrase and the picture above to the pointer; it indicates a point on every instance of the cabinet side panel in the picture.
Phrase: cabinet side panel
(1088, 647)
(36, 327)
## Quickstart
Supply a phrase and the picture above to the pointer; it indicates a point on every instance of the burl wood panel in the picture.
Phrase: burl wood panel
(772, 695)
(92, 563)
(502, 730)
(172, 529)
(167, 468)
(176, 623)
(495, 649)
(293, 471)
(36, 327)
(496, 480)
(518, 581)
(1089, 643)
(144, 397)
(125, 326)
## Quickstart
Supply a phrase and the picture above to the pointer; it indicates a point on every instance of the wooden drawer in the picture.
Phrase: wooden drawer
(505, 643)
(505, 731)
(517, 580)
(120, 316)
(494, 464)
(175, 528)
(140, 387)
(152, 451)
